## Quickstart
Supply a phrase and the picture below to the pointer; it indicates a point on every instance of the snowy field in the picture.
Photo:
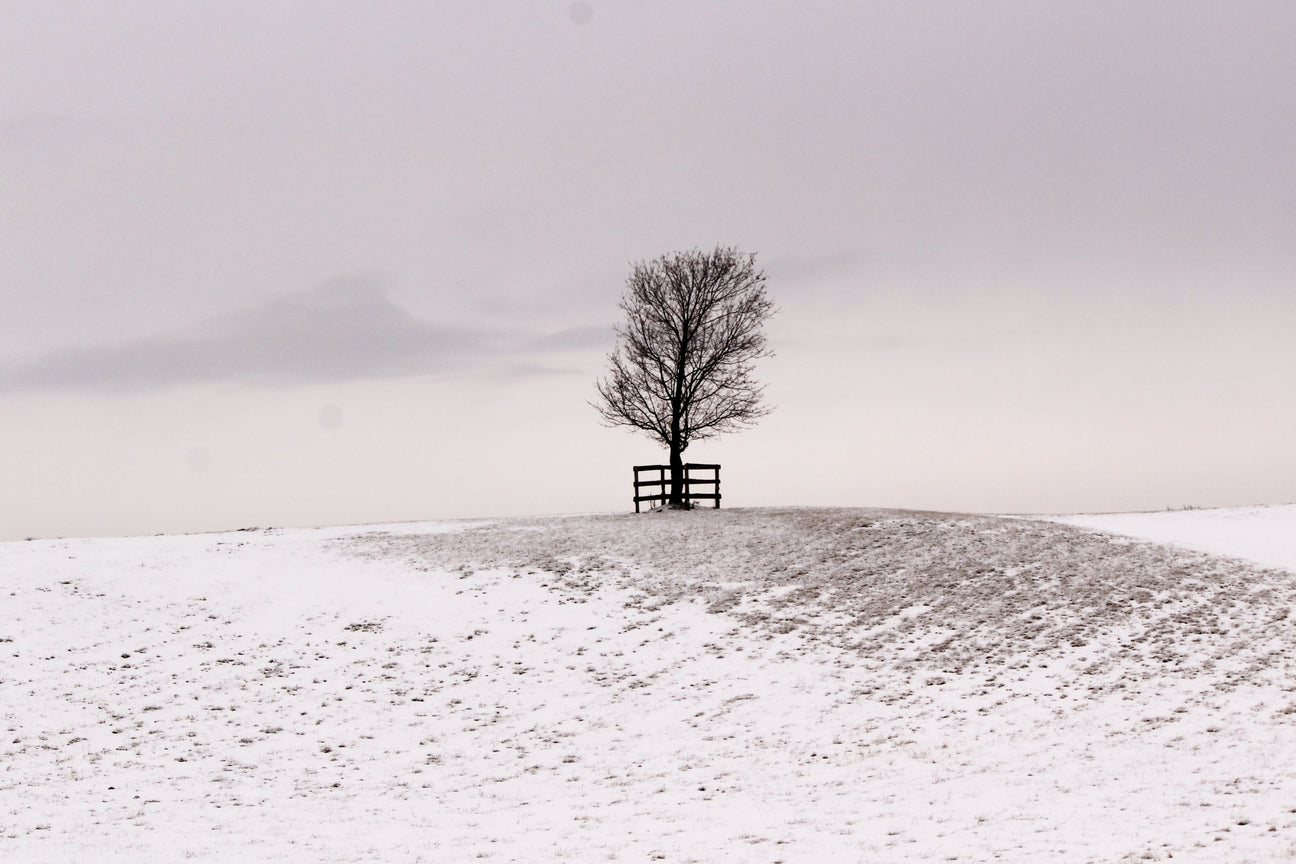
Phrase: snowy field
(714, 686)
(1264, 535)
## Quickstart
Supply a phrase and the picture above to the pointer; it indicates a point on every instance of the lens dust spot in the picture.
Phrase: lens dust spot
(330, 417)
(198, 459)
(580, 12)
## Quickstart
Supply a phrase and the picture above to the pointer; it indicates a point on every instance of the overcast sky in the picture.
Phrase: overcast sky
(296, 263)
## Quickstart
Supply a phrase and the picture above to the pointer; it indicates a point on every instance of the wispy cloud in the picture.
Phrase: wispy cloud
(342, 331)
(576, 339)
(810, 269)
(37, 131)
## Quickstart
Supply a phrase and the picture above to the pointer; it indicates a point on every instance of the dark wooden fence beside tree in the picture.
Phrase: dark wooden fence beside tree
(663, 483)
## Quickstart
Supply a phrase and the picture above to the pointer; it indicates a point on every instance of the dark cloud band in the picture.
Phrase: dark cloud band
(342, 331)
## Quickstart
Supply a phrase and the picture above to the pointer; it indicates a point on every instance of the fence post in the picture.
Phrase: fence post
(662, 484)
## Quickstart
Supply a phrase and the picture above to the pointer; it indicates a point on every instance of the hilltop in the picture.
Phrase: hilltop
(733, 685)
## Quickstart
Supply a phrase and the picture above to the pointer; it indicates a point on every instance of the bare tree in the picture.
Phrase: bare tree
(682, 370)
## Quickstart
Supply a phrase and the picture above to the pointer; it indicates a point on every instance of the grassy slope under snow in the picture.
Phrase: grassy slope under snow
(708, 686)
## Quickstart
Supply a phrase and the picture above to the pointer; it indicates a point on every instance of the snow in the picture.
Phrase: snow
(799, 685)
(1265, 535)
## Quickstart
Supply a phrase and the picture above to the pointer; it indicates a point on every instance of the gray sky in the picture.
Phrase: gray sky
(297, 263)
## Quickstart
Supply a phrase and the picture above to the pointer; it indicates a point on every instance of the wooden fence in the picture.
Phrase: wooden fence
(663, 481)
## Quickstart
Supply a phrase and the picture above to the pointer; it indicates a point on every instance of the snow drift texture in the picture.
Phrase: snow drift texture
(847, 685)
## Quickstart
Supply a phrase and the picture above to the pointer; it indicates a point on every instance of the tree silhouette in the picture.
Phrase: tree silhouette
(682, 370)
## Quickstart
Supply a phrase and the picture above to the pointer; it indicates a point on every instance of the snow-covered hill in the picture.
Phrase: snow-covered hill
(763, 685)
(1265, 535)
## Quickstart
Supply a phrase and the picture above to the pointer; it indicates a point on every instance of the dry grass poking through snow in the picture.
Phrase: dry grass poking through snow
(795, 685)
(943, 592)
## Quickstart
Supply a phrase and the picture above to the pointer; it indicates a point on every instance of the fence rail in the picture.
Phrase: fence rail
(663, 481)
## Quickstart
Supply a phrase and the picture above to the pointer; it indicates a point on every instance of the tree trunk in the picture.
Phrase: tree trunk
(677, 476)
(677, 441)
